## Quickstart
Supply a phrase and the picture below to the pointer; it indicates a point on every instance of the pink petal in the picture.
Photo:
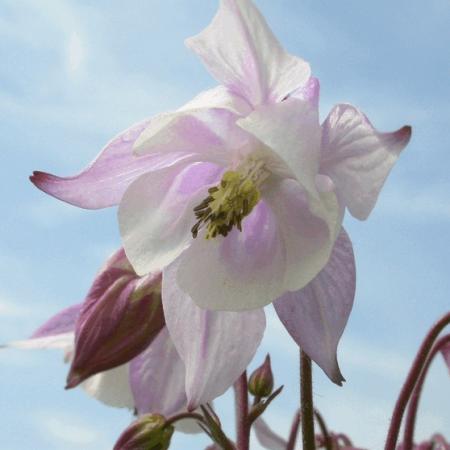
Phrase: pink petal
(205, 126)
(157, 378)
(241, 52)
(104, 181)
(156, 213)
(316, 316)
(308, 230)
(268, 438)
(216, 346)
(292, 130)
(62, 322)
(358, 158)
(242, 271)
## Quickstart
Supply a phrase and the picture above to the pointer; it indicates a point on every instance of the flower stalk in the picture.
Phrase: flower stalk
(411, 380)
(294, 431)
(410, 423)
(306, 402)
(242, 420)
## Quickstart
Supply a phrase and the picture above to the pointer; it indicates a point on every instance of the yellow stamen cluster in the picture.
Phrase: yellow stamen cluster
(226, 205)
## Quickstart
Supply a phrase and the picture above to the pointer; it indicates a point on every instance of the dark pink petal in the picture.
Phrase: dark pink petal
(62, 322)
(267, 437)
(241, 52)
(121, 315)
(156, 214)
(216, 346)
(104, 181)
(358, 158)
(316, 315)
(242, 271)
(157, 378)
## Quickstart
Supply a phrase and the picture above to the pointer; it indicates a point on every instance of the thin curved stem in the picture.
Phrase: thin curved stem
(411, 415)
(324, 429)
(294, 431)
(242, 421)
(411, 380)
(186, 415)
(306, 402)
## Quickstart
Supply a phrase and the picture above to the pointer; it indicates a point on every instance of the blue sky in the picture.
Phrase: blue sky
(74, 73)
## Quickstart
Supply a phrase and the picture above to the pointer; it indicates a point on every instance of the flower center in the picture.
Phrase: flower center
(231, 200)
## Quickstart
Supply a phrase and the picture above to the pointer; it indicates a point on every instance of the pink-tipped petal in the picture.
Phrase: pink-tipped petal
(215, 346)
(203, 127)
(316, 316)
(62, 322)
(157, 378)
(267, 437)
(310, 92)
(104, 181)
(242, 271)
(156, 213)
(358, 158)
(240, 51)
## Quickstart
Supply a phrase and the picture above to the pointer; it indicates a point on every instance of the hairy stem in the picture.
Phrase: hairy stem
(306, 402)
(242, 421)
(411, 381)
(408, 436)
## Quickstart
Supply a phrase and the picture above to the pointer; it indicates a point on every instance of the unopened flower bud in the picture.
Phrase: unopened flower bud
(120, 317)
(149, 432)
(260, 383)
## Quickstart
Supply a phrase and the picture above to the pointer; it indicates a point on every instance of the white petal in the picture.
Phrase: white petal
(292, 130)
(216, 346)
(308, 229)
(242, 271)
(358, 158)
(111, 387)
(240, 51)
(157, 378)
(156, 214)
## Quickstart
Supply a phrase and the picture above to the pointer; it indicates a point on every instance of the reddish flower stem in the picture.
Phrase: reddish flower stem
(306, 402)
(242, 422)
(408, 436)
(411, 381)
(324, 429)
(294, 432)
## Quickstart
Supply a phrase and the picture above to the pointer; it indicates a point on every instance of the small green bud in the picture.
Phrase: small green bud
(149, 432)
(260, 383)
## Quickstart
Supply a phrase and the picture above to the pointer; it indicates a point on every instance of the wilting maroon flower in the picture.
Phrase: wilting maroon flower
(120, 317)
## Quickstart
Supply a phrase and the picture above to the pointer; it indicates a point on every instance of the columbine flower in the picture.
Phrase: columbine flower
(239, 198)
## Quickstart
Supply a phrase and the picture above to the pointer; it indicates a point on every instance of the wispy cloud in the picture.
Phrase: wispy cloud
(67, 430)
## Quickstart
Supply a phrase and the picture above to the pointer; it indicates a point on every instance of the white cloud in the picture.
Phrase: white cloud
(75, 49)
(9, 309)
(66, 429)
